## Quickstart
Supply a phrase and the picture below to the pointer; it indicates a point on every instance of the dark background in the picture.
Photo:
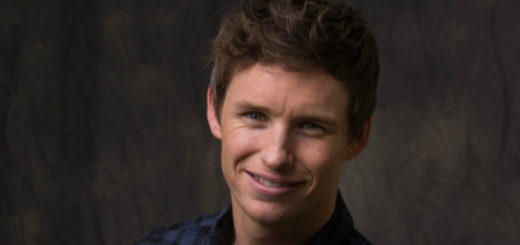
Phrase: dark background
(103, 133)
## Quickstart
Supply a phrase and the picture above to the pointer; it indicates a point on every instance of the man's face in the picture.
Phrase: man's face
(284, 138)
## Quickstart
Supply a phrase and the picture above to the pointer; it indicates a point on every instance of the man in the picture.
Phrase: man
(291, 97)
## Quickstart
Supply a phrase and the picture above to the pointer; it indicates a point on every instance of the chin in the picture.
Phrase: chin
(268, 213)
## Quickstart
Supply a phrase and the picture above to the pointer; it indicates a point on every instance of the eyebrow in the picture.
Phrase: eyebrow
(245, 105)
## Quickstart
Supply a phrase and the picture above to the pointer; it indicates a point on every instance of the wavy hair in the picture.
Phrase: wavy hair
(298, 35)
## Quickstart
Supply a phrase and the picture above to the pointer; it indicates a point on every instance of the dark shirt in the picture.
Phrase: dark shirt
(218, 229)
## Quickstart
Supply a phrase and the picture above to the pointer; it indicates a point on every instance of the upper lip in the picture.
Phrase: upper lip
(278, 180)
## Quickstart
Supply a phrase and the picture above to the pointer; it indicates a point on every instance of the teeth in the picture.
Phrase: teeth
(269, 183)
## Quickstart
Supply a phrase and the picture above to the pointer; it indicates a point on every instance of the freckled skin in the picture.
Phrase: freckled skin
(291, 127)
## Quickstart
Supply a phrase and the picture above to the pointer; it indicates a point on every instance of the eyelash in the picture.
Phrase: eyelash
(312, 126)
(255, 116)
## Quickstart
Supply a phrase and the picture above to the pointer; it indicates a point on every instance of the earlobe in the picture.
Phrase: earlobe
(211, 114)
(360, 141)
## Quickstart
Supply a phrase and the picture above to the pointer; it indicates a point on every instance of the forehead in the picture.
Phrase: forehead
(272, 85)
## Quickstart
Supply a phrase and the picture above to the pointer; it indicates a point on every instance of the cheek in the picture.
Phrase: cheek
(323, 159)
(237, 145)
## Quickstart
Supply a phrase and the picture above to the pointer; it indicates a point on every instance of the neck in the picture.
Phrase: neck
(298, 230)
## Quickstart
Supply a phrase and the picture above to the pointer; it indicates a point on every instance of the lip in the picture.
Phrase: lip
(280, 188)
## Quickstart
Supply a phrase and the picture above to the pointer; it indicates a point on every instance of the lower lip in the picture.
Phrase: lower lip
(270, 191)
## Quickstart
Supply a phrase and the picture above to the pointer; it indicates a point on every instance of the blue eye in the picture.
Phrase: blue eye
(254, 116)
(312, 126)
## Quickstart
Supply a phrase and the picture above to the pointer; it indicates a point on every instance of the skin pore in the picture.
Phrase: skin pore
(284, 138)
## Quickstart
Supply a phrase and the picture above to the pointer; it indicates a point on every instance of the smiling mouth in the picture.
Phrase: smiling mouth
(274, 183)
(272, 187)
(269, 183)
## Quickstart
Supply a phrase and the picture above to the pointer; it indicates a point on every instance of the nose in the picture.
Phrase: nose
(276, 153)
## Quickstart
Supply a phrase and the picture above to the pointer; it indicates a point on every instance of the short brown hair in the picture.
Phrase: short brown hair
(297, 34)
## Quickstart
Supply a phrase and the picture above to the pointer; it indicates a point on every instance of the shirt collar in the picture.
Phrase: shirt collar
(222, 230)
(339, 227)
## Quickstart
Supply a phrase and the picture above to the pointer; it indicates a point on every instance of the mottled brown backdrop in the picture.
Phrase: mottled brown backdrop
(103, 133)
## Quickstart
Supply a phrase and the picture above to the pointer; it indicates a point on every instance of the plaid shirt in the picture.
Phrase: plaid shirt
(218, 229)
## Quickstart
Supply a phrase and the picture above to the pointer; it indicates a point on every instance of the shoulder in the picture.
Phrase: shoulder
(358, 239)
(187, 232)
(340, 228)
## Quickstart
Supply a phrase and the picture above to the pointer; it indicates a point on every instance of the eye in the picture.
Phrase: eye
(313, 128)
(256, 116)
(310, 125)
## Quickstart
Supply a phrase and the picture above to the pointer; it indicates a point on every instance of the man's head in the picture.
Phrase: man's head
(299, 35)
(291, 95)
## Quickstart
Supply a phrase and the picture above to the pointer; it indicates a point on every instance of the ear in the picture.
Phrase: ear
(360, 141)
(211, 114)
